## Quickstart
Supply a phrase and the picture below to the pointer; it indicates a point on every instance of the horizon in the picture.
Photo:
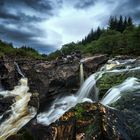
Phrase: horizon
(47, 25)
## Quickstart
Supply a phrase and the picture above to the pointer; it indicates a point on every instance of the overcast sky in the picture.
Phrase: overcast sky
(47, 24)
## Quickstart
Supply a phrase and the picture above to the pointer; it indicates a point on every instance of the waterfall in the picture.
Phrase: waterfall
(20, 112)
(115, 93)
(18, 69)
(81, 73)
(89, 87)
(63, 104)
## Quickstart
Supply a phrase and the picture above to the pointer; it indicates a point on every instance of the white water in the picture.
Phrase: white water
(20, 112)
(111, 64)
(81, 73)
(18, 69)
(61, 105)
(89, 86)
(116, 92)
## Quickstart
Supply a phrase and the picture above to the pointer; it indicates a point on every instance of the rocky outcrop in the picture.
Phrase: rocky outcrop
(87, 121)
(92, 64)
(49, 79)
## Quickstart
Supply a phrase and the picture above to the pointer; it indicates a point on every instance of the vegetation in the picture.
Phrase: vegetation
(7, 49)
(79, 110)
(109, 80)
(121, 37)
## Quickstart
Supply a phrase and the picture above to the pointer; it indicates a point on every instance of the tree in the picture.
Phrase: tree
(120, 25)
(113, 23)
(129, 22)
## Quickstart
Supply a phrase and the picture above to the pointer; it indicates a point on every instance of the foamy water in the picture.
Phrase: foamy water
(20, 113)
(116, 92)
(61, 105)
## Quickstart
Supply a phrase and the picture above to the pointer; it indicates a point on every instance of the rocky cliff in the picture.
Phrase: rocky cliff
(49, 79)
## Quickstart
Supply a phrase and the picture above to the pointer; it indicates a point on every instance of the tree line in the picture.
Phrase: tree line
(117, 24)
(121, 37)
(7, 49)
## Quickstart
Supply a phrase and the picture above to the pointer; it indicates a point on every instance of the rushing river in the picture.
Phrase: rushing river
(61, 105)
(20, 113)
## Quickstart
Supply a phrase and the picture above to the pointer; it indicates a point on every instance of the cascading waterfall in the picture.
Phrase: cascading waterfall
(61, 105)
(81, 73)
(127, 87)
(89, 87)
(20, 113)
(18, 69)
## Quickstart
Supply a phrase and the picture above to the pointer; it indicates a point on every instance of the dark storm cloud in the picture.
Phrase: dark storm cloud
(84, 3)
(18, 35)
(43, 24)
(133, 3)
(39, 5)
(6, 6)
(4, 15)
(129, 8)
(15, 13)
(19, 38)
(134, 9)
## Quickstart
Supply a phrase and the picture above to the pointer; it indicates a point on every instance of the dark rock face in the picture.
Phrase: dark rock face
(5, 104)
(86, 121)
(92, 64)
(8, 75)
(47, 78)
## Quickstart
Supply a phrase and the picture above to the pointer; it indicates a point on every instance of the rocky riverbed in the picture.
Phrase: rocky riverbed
(50, 80)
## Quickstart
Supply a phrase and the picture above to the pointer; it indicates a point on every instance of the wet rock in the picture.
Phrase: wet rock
(84, 121)
(5, 104)
(87, 120)
(92, 64)
(46, 78)
(34, 101)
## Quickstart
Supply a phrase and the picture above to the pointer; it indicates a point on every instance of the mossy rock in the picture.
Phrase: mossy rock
(109, 80)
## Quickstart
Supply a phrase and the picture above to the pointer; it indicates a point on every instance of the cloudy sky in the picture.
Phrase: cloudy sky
(47, 24)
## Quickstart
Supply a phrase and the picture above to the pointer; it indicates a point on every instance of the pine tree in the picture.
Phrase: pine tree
(120, 24)
(98, 32)
(129, 22)
(115, 23)
(125, 23)
(111, 23)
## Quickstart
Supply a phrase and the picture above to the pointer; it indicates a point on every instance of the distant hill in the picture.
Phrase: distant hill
(7, 49)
